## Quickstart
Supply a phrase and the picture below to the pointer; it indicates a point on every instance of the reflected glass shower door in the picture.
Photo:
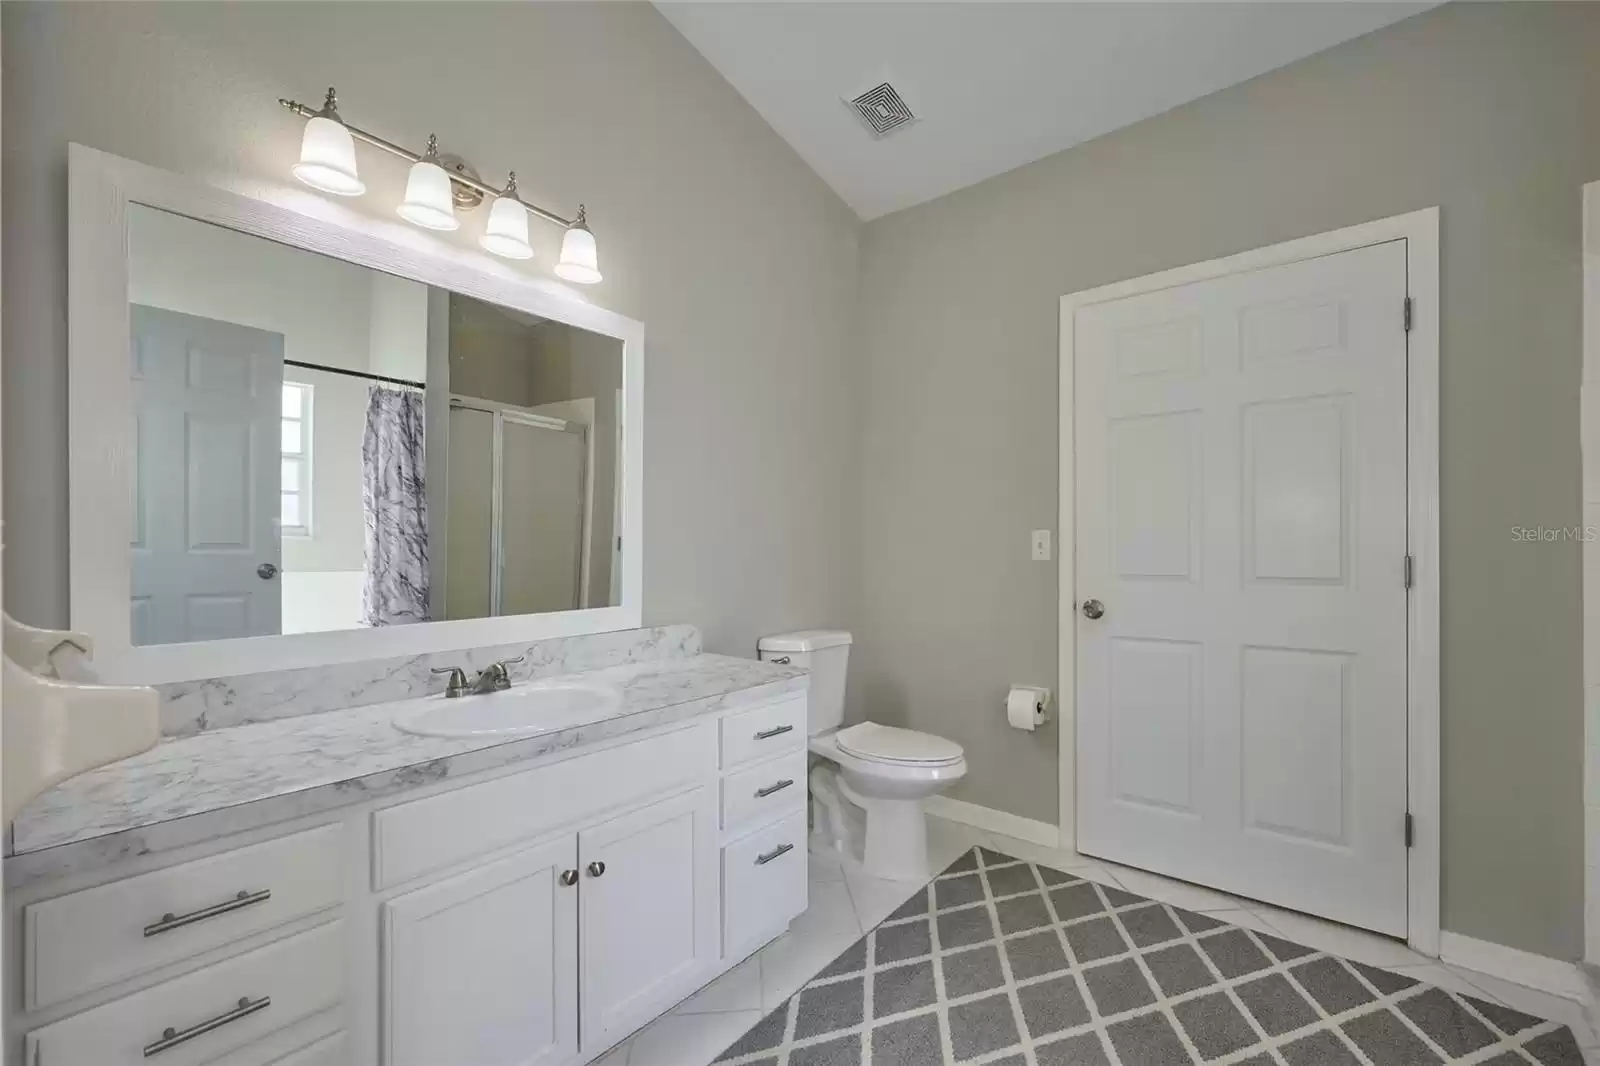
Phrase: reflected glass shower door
(470, 524)
(541, 492)
(517, 531)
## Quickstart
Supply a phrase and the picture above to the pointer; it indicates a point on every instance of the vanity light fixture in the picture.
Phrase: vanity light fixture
(435, 187)
(328, 153)
(428, 199)
(579, 259)
(507, 231)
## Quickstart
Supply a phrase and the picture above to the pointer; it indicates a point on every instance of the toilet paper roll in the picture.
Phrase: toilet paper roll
(1024, 708)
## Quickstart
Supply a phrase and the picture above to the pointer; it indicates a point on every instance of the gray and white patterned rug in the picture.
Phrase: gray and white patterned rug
(1002, 962)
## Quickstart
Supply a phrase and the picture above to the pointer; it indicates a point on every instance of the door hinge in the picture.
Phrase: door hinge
(1408, 314)
(1411, 570)
(1411, 830)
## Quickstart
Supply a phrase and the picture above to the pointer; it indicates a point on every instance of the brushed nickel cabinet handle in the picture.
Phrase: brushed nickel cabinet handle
(781, 849)
(171, 1038)
(779, 786)
(597, 869)
(170, 921)
(775, 731)
(569, 878)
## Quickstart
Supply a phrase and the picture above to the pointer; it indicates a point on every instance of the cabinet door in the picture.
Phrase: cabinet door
(481, 969)
(650, 902)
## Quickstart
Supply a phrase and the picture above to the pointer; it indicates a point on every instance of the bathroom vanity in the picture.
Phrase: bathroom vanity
(236, 897)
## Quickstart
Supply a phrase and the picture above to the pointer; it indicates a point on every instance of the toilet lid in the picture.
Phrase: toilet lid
(885, 743)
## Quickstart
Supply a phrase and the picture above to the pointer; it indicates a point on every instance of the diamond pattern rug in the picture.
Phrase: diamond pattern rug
(1002, 962)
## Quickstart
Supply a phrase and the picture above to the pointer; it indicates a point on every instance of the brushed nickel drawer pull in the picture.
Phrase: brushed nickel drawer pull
(170, 921)
(171, 1038)
(763, 793)
(775, 731)
(781, 849)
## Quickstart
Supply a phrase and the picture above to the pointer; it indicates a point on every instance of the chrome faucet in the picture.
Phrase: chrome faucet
(492, 678)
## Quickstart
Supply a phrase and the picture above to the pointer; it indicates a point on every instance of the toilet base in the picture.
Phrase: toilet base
(889, 837)
(897, 840)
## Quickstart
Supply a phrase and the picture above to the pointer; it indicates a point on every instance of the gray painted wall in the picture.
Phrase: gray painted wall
(749, 503)
(1488, 110)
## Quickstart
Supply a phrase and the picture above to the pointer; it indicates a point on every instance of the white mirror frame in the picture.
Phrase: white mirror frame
(100, 426)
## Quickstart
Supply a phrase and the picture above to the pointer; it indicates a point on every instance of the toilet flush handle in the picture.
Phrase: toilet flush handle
(782, 660)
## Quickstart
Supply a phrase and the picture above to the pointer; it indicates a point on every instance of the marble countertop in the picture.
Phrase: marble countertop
(223, 781)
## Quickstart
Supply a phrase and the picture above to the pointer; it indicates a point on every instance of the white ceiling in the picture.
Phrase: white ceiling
(995, 84)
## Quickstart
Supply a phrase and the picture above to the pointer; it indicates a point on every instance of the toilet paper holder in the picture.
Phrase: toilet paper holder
(1027, 706)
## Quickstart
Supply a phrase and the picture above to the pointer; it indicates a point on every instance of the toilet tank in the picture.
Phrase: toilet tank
(824, 652)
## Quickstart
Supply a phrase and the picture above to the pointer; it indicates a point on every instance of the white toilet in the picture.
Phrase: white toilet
(867, 789)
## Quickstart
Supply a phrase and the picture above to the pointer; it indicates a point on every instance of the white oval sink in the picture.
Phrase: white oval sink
(523, 710)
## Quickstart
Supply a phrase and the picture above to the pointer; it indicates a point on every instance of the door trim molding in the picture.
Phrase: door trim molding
(1420, 230)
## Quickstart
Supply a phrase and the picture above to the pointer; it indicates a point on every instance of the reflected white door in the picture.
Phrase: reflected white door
(208, 399)
(1241, 515)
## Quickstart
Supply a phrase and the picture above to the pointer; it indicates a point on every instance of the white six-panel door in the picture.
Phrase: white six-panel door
(1240, 509)
(208, 403)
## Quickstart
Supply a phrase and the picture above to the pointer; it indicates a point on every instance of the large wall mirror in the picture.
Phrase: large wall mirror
(328, 447)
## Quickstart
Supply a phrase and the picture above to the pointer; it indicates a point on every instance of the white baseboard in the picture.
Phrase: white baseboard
(1012, 825)
(1519, 967)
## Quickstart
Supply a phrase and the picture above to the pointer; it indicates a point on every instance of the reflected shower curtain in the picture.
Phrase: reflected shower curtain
(396, 510)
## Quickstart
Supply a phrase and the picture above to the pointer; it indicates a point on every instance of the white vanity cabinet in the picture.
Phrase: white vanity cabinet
(482, 967)
(492, 966)
(528, 916)
(649, 902)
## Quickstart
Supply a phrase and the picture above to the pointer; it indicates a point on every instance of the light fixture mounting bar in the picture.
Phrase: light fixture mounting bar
(394, 149)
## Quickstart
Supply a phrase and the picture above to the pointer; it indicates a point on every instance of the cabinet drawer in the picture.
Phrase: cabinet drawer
(764, 731)
(763, 884)
(87, 940)
(331, 1051)
(764, 792)
(292, 979)
(297, 1045)
(430, 834)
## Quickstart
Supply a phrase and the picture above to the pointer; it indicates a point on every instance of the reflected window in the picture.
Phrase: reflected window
(295, 512)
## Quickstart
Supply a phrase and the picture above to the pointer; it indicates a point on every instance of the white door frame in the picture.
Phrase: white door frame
(1420, 229)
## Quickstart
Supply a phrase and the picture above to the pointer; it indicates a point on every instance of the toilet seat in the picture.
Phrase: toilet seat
(889, 745)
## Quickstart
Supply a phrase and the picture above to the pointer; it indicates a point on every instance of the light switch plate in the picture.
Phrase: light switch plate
(1041, 545)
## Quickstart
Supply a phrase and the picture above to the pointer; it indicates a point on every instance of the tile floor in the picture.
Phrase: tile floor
(845, 903)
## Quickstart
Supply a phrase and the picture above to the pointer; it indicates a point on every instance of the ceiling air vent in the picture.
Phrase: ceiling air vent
(883, 110)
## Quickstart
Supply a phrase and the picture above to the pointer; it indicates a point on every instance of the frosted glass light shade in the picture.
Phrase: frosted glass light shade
(579, 258)
(328, 158)
(428, 203)
(507, 232)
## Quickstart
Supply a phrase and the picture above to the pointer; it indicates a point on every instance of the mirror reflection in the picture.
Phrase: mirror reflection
(319, 446)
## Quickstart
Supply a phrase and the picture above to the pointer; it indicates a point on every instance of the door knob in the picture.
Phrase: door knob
(569, 878)
(1093, 609)
(267, 571)
(597, 868)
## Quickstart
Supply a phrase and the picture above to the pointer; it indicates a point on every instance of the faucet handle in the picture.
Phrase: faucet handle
(502, 676)
(457, 685)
